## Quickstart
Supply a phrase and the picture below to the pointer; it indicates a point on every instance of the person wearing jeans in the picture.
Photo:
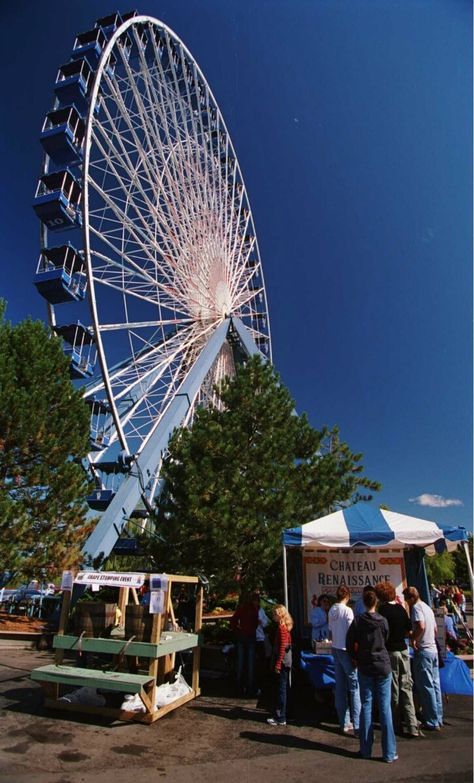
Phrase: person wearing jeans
(426, 673)
(244, 623)
(347, 695)
(378, 689)
(400, 629)
(365, 641)
(340, 617)
(425, 660)
(281, 661)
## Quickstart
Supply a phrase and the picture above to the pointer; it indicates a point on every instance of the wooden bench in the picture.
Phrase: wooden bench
(92, 678)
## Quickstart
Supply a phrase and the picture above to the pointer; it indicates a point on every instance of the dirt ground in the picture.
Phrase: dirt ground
(217, 737)
(20, 623)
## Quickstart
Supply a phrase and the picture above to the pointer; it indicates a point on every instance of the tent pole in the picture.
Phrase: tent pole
(285, 577)
(469, 565)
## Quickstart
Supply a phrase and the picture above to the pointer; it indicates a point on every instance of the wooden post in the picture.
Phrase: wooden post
(66, 603)
(153, 667)
(123, 601)
(197, 650)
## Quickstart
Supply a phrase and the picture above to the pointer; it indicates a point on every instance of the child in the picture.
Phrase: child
(281, 661)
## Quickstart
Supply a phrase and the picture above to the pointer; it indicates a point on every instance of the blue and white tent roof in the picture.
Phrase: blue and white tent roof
(364, 525)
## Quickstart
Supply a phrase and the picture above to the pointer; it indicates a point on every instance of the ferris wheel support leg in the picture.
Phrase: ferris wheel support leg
(246, 339)
(105, 534)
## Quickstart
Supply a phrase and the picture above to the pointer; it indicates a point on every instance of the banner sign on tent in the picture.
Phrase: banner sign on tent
(325, 571)
(109, 579)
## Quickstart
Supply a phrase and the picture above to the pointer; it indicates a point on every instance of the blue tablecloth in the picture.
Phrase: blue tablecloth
(455, 677)
(319, 668)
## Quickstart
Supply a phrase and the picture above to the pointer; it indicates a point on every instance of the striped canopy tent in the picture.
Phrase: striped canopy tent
(366, 526)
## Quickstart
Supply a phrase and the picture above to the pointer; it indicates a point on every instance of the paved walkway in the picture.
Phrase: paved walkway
(215, 738)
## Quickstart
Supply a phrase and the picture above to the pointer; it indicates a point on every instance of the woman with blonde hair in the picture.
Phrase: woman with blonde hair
(281, 661)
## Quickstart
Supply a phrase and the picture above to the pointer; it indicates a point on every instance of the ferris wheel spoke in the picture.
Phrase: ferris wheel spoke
(140, 235)
(120, 164)
(154, 141)
(152, 182)
(151, 391)
(142, 324)
(153, 359)
(132, 281)
(139, 210)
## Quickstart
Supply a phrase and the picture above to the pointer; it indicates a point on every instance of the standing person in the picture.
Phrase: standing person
(244, 623)
(347, 685)
(455, 644)
(261, 643)
(366, 645)
(435, 595)
(463, 604)
(400, 628)
(282, 659)
(359, 608)
(319, 619)
(425, 660)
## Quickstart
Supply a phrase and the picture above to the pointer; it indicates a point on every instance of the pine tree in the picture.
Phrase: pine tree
(44, 426)
(242, 474)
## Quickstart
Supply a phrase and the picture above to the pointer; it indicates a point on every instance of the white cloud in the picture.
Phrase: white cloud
(435, 501)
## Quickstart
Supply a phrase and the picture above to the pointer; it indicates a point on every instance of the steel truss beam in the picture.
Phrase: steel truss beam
(102, 540)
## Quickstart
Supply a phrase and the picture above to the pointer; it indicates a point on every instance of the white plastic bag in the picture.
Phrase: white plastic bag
(170, 691)
(165, 694)
(132, 703)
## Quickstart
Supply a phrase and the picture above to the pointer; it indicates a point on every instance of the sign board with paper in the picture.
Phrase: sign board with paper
(157, 602)
(325, 571)
(159, 582)
(67, 580)
(109, 579)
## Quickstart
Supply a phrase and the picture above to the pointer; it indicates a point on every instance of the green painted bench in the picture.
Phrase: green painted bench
(93, 678)
(171, 641)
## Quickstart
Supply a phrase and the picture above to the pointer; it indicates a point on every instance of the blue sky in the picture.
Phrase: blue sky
(352, 121)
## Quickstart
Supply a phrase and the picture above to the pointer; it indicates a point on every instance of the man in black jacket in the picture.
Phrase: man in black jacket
(399, 627)
(365, 644)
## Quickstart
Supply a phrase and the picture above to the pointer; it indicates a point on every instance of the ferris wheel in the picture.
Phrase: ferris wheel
(156, 283)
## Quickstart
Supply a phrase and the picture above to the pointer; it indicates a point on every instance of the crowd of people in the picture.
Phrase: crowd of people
(450, 595)
(377, 647)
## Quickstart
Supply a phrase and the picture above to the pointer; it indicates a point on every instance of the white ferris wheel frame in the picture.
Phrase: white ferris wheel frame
(230, 152)
(202, 352)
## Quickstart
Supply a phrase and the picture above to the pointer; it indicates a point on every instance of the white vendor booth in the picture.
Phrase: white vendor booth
(357, 546)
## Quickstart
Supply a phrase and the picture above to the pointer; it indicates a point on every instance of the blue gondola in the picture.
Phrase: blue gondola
(262, 343)
(100, 499)
(261, 318)
(63, 135)
(108, 24)
(57, 201)
(73, 83)
(114, 467)
(89, 46)
(127, 546)
(99, 428)
(254, 285)
(60, 275)
(138, 41)
(80, 347)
